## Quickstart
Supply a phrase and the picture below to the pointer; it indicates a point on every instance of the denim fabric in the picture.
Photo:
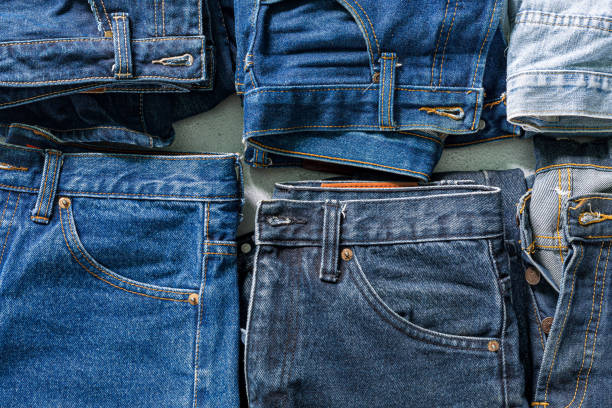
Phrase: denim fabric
(116, 73)
(560, 66)
(337, 80)
(566, 234)
(118, 279)
(366, 297)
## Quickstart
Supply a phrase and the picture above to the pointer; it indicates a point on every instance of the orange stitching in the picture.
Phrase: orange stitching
(446, 42)
(586, 332)
(38, 217)
(46, 94)
(354, 89)
(187, 156)
(483, 43)
(118, 45)
(559, 218)
(569, 303)
(495, 102)
(106, 14)
(367, 37)
(535, 312)
(163, 17)
(7, 166)
(155, 15)
(19, 188)
(475, 113)
(546, 237)
(390, 91)
(559, 247)
(148, 195)
(438, 42)
(540, 404)
(218, 253)
(87, 257)
(573, 164)
(603, 287)
(598, 217)
(421, 136)
(127, 61)
(9, 227)
(479, 141)
(336, 158)
(524, 203)
(443, 111)
(369, 21)
(213, 243)
(383, 81)
(345, 126)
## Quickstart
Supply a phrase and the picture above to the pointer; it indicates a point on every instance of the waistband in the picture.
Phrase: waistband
(379, 215)
(184, 177)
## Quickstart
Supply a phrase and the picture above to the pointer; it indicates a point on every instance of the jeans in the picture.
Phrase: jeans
(364, 294)
(334, 80)
(118, 279)
(115, 72)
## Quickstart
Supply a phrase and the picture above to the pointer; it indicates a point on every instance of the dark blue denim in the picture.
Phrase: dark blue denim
(369, 295)
(115, 72)
(118, 284)
(566, 236)
(368, 83)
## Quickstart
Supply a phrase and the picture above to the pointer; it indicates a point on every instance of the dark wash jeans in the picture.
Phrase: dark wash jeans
(113, 71)
(118, 279)
(384, 297)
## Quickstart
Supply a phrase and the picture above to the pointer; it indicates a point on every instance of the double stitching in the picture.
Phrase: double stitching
(9, 226)
(438, 43)
(446, 42)
(484, 42)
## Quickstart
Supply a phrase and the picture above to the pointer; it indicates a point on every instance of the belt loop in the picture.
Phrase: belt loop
(122, 44)
(241, 186)
(388, 63)
(331, 241)
(48, 187)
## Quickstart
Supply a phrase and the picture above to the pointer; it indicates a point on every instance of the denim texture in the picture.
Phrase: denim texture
(116, 73)
(566, 234)
(560, 66)
(118, 281)
(335, 80)
(387, 288)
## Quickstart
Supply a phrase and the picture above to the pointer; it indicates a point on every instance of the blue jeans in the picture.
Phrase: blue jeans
(337, 80)
(375, 294)
(566, 236)
(114, 72)
(118, 279)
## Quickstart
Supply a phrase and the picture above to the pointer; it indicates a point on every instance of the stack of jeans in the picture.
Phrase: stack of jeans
(122, 280)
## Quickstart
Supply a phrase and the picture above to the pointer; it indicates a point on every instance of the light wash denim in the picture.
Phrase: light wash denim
(368, 83)
(118, 284)
(370, 294)
(113, 71)
(566, 234)
(560, 66)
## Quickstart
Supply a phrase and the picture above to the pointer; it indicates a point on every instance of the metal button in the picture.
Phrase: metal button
(245, 248)
(346, 254)
(532, 276)
(193, 299)
(64, 202)
(493, 345)
(482, 124)
(547, 323)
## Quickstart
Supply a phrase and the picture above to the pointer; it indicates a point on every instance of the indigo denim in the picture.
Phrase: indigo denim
(343, 80)
(560, 66)
(566, 235)
(367, 295)
(118, 279)
(116, 72)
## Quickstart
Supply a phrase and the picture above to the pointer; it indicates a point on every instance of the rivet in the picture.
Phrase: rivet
(193, 299)
(532, 276)
(547, 323)
(346, 254)
(245, 248)
(493, 345)
(64, 202)
(376, 77)
(482, 124)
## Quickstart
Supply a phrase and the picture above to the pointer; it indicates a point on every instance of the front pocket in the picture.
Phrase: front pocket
(130, 258)
(447, 293)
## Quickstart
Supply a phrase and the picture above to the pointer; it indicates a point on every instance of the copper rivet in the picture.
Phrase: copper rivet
(376, 77)
(532, 276)
(193, 299)
(64, 202)
(347, 254)
(493, 345)
(547, 323)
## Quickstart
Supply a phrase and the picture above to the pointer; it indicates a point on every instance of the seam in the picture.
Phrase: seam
(297, 90)
(163, 15)
(383, 81)
(538, 322)
(337, 158)
(10, 167)
(43, 95)
(116, 40)
(371, 26)
(72, 229)
(155, 15)
(9, 227)
(564, 25)
(433, 139)
(42, 193)
(538, 12)
(367, 37)
(127, 61)
(106, 14)
(5, 205)
(438, 43)
(586, 331)
(392, 70)
(54, 178)
(559, 243)
(219, 253)
(479, 141)
(145, 195)
(483, 43)
(603, 287)
(19, 188)
(446, 42)
(569, 304)
(573, 164)
(475, 114)
(350, 126)
(495, 102)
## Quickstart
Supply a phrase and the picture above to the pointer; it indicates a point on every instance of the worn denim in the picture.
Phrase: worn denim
(118, 279)
(366, 297)
(560, 66)
(566, 234)
(342, 80)
(115, 72)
